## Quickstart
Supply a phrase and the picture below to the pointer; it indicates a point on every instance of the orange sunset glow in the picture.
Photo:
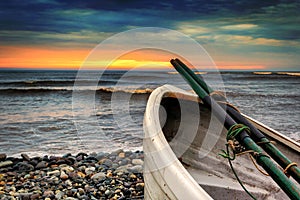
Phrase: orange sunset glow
(50, 58)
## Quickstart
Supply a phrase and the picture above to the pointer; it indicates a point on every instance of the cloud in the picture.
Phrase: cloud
(240, 26)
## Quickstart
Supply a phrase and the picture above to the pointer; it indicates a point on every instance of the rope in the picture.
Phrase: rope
(236, 129)
(288, 167)
(233, 131)
(254, 163)
(265, 142)
(227, 154)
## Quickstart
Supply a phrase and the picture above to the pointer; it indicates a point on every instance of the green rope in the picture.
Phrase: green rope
(236, 176)
(236, 129)
(231, 134)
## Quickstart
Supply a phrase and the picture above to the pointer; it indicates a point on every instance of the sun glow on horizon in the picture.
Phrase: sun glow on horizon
(65, 59)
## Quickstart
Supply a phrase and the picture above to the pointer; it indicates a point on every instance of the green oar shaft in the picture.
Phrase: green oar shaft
(256, 135)
(278, 176)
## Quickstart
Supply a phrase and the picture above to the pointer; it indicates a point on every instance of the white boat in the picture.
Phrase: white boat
(182, 143)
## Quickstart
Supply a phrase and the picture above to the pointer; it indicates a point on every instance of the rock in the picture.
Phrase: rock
(41, 165)
(25, 157)
(137, 162)
(139, 186)
(35, 196)
(81, 191)
(25, 196)
(109, 174)
(80, 174)
(73, 175)
(63, 175)
(55, 173)
(91, 158)
(100, 156)
(108, 192)
(59, 194)
(3, 156)
(48, 193)
(89, 170)
(117, 152)
(23, 167)
(5, 163)
(122, 155)
(136, 169)
(132, 176)
(12, 173)
(67, 169)
(99, 175)
(108, 163)
(123, 169)
(67, 155)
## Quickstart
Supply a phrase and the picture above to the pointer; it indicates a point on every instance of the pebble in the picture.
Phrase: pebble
(137, 162)
(63, 175)
(116, 175)
(42, 164)
(3, 156)
(99, 175)
(25, 157)
(6, 163)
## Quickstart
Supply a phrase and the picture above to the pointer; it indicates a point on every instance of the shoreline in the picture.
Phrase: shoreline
(115, 175)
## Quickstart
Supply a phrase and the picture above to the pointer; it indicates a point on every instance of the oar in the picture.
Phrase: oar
(271, 168)
(256, 135)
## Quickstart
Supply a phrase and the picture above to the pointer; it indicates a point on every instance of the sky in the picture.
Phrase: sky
(59, 34)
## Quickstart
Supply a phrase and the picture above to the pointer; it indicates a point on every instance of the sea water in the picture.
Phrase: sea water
(41, 115)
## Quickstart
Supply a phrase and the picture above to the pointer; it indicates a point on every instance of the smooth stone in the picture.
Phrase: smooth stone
(137, 162)
(81, 191)
(100, 156)
(108, 192)
(3, 156)
(25, 196)
(35, 196)
(91, 158)
(139, 186)
(48, 193)
(80, 174)
(55, 173)
(116, 152)
(12, 173)
(59, 194)
(23, 167)
(123, 168)
(41, 165)
(122, 155)
(132, 176)
(73, 175)
(6, 163)
(109, 174)
(66, 155)
(63, 175)
(108, 163)
(136, 169)
(89, 170)
(99, 175)
(25, 157)
(67, 169)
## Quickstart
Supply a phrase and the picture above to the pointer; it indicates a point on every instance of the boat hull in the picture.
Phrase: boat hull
(182, 143)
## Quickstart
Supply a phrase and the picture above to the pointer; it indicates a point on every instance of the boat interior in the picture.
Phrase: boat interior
(197, 138)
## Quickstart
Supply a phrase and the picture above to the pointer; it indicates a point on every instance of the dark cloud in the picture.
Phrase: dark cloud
(275, 19)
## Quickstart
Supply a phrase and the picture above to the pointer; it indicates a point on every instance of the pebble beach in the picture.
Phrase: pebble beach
(116, 175)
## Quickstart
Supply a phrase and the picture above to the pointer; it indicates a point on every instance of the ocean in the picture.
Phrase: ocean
(59, 112)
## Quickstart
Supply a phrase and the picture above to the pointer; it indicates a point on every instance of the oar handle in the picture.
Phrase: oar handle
(256, 135)
(278, 176)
